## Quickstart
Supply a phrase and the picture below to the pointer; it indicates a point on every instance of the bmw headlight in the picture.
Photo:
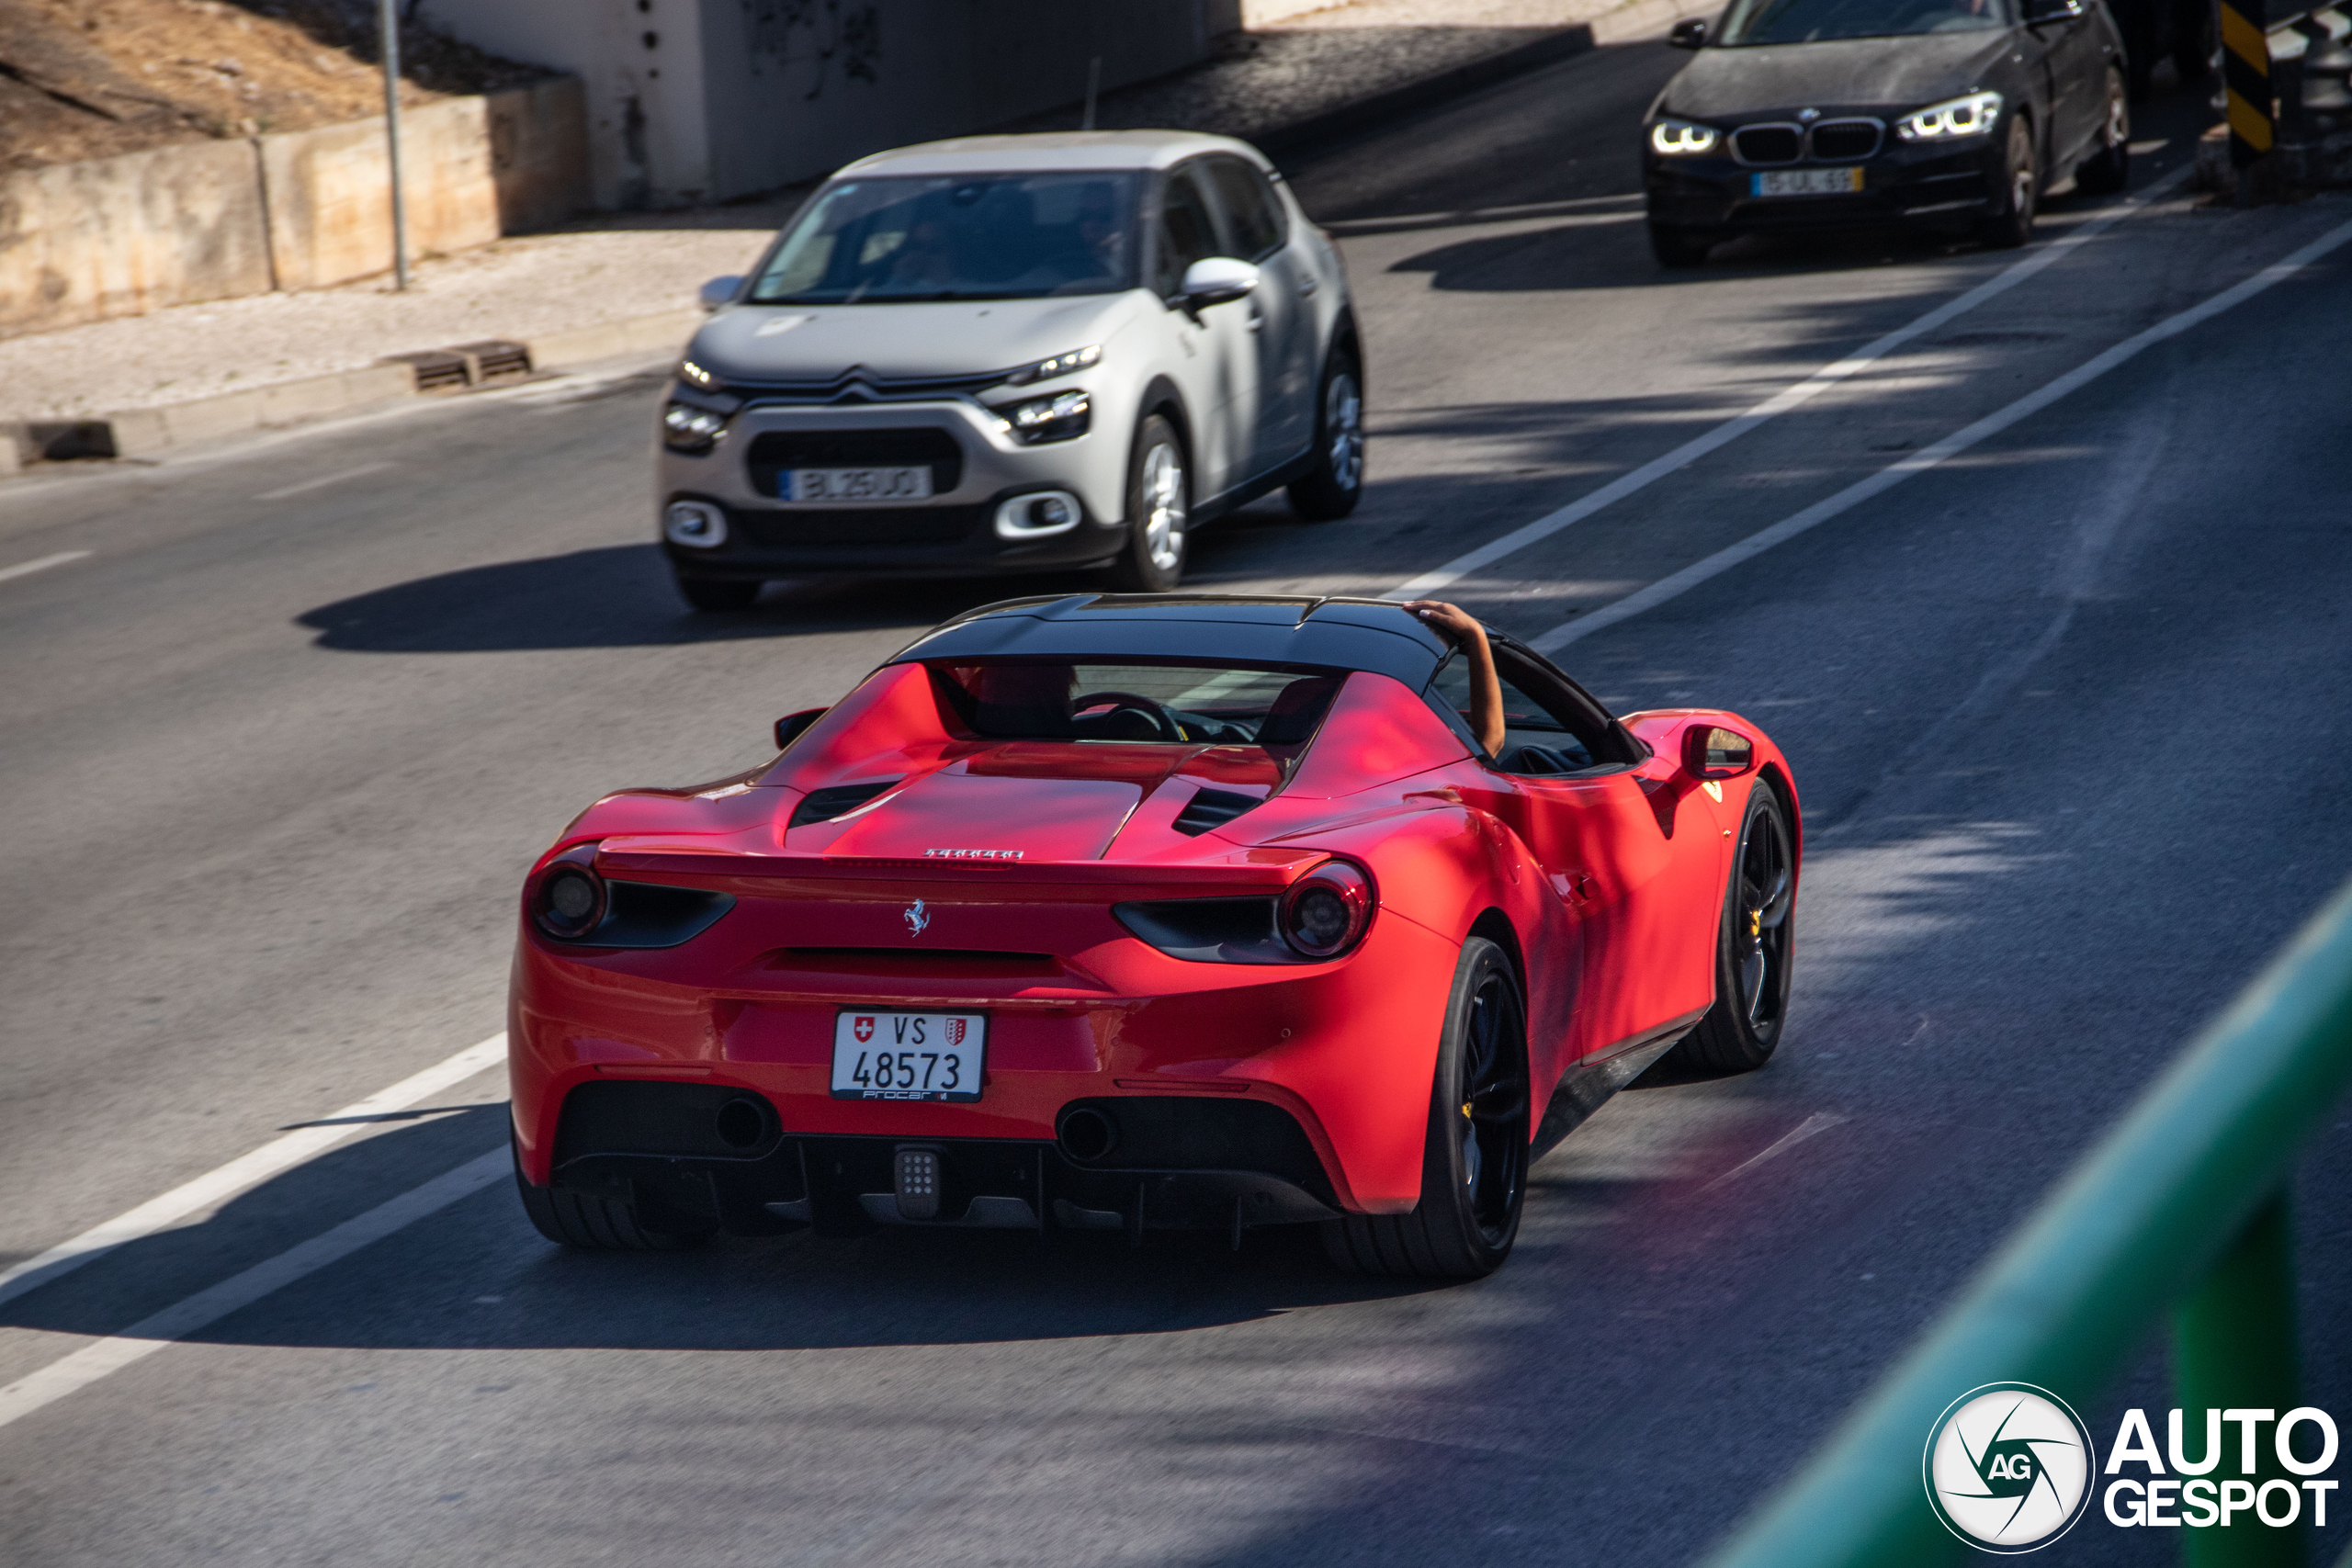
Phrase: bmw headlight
(1680, 138)
(1953, 119)
(1059, 364)
(1040, 420)
(688, 428)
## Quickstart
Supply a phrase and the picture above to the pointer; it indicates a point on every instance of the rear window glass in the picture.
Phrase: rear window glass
(1186, 704)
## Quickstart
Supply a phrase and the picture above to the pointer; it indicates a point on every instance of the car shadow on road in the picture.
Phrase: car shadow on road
(476, 1274)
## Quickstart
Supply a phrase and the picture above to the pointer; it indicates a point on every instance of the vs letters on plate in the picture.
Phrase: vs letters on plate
(884, 1055)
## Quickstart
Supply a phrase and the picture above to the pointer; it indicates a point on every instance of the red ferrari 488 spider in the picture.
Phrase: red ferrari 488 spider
(1119, 913)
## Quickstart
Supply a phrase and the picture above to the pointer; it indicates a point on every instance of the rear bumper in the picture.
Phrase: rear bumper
(1902, 184)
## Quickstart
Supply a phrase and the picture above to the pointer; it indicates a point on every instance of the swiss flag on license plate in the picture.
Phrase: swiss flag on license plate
(863, 1029)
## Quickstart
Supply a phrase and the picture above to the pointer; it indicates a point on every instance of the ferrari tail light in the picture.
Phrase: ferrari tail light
(1326, 911)
(568, 897)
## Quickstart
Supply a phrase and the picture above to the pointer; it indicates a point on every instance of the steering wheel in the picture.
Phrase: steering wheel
(1161, 721)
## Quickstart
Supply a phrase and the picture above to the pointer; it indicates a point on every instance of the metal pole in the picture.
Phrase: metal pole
(387, 28)
(1094, 80)
(2234, 1348)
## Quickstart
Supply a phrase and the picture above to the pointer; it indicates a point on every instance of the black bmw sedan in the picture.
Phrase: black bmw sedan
(1957, 114)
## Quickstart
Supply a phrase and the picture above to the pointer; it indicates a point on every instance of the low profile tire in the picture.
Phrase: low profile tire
(1159, 496)
(1752, 949)
(590, 1223)
(2109, 169)
(1676, 247)
(1474, 1165)
(717, 593)
(1332, 488)
(2012, 225)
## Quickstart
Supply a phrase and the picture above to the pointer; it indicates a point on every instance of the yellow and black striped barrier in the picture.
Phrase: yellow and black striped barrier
(2246, 78)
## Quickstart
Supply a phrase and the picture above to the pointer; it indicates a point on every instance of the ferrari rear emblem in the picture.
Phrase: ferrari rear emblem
(917, 916)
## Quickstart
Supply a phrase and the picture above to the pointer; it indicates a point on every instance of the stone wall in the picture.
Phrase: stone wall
(218, 219)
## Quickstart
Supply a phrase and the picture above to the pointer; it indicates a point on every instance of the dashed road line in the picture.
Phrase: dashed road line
(307, 485)
(1853, 495)
(247, 1170)
(26, 568)
(1781, 402)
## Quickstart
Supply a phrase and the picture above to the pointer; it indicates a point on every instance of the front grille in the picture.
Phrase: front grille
(1846, 140)
(851, 527)
(776, 450)
(1768, 143)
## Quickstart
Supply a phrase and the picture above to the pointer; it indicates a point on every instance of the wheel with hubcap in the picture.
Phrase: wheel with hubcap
(1474, 1164)
(1753, 948)
(718, 593)
(2012, 224)
(2109, 168)
(1159, 504)
(1335, 484)
(1677, 247)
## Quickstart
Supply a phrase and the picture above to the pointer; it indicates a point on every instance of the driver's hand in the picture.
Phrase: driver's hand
(1447, 620)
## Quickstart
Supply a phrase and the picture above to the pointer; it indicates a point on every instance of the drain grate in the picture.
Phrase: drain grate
(466, 365)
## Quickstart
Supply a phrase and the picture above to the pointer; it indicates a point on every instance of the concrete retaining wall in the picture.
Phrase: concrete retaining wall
(218, 219)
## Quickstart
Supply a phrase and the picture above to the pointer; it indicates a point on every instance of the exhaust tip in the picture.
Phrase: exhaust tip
(741, 1124)
(1087, 1135)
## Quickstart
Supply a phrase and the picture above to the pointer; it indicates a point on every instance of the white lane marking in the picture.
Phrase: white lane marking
(1781, 402)
(26, 568)
(1819, 1121)
(246, 1170)
(364, 468)
(1919, 462)
(106, 1357)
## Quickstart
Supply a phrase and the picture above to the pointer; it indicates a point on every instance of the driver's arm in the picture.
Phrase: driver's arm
(1486, 688)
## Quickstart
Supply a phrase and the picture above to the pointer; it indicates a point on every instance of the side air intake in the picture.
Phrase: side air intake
(1213, 808)
(824, 804)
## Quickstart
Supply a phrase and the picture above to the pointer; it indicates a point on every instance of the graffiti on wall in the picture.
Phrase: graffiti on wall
(821, 37)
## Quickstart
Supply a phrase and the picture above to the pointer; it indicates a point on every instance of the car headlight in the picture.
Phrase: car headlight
(1678, 138)
(1059, 364)
(688, 428)
(694, 375)
(1952, 120)
(1058, 418)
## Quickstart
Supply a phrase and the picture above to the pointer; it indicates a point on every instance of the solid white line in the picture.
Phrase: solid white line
(244, 1171)
(364, 468)
(1819, 1121)
(1919, 462)
(106, 1357)
(30, 567)
(1781, 402)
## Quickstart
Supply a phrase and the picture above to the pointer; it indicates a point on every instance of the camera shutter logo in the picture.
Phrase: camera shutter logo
(2009, 1467)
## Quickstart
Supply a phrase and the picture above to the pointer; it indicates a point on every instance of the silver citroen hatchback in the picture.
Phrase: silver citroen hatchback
(1009, 353)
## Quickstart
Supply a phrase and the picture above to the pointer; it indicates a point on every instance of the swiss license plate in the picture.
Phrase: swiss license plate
(1805, 182)
(880, 1055)
(854, 484)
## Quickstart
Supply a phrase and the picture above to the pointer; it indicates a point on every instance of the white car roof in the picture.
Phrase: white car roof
(1053, 150)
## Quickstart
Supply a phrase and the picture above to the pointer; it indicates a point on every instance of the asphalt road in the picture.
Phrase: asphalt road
(2068, 711)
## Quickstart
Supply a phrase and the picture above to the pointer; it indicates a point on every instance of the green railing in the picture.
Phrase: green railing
(2182, 1206)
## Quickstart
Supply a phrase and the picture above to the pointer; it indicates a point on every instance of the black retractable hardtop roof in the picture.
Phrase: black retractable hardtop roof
(1372, 635)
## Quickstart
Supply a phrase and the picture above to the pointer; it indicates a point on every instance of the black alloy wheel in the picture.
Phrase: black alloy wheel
(1473, 1166)
(1753, 948)
(2110, 168)
(718, 593)
(2010, 224)
(1331, 489)
(590, 1223)
(1677, 247)
(1159, 499)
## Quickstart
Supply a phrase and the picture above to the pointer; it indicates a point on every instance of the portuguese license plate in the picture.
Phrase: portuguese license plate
(854, 484)
(1805, 182)
(880, 1055)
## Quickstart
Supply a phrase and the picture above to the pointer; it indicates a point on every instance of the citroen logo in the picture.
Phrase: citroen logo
(917, 918)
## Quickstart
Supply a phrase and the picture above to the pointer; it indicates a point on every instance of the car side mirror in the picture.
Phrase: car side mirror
(789, 728)
(1217, 280)
(1688, 33)
(1711, 752)
(719, 292)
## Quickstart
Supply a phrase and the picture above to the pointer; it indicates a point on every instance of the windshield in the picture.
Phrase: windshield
(1810, 21)
(1179, 704)
(974, 237)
